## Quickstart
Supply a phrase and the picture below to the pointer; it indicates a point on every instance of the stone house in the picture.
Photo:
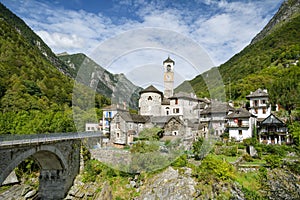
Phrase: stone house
(172, 125)
(108, 114)
(240, 124)
(92, 127)
(213, 117)
(272, 130)
(125, 126)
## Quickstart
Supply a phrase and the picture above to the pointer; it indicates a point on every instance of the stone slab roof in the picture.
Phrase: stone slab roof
(240, 113)
(258, 93)
(217, 107)
(162, 120)
(129, 117)
(272, 119)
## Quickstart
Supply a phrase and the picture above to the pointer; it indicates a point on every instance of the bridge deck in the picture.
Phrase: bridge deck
(8, 140)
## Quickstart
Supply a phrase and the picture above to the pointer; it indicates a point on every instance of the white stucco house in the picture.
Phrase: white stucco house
(259, 104)
(240, 124)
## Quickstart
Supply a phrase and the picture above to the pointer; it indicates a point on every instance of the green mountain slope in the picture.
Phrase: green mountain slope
(270, 61)
(32, 39)
(35, 96)
(115, 86)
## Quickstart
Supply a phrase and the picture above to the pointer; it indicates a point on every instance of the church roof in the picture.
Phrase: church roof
(258, 93)
(240, 113)
(151, 88)
(169, 60)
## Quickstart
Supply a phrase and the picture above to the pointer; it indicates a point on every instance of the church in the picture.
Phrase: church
(177, 114)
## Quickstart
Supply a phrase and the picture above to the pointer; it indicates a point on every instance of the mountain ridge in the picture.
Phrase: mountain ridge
(115, 86)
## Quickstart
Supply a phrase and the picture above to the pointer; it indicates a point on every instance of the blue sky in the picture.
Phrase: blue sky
(220, 28)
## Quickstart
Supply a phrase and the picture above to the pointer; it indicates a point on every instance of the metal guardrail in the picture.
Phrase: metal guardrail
(7, 140)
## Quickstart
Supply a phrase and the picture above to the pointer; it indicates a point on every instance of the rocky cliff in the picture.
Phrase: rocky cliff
(286, 11)
(115, 86)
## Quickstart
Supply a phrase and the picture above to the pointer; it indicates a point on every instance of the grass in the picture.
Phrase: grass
(249, 180)
(229, 159)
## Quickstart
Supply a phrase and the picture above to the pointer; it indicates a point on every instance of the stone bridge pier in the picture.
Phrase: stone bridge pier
(58, 161)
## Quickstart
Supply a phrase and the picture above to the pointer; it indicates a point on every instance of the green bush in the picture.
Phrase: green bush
(247, 158)
(273, 161)
(213, 168)
(180, 161)
(197, 148)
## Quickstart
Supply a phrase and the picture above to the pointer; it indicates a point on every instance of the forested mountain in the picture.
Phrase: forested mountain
(35, 95)
(115, 86)
(271, 61)
(31, 38)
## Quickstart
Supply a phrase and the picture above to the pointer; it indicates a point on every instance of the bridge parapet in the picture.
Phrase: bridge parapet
(10, 140)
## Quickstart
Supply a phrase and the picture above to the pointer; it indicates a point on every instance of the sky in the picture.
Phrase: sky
(134, 37)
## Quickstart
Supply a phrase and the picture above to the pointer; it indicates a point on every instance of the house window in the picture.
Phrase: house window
(255, 111)
(264, 110)
(176, 110)
(118, 135)
(149, 98)
(240, 132)
(264, 101)
(255, 102)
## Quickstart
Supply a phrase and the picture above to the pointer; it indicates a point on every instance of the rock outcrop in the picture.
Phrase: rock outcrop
(170, 184)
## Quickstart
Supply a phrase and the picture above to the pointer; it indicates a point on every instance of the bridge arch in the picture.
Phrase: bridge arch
(48, 158)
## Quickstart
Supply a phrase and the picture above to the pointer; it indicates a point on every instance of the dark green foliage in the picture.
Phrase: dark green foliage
(197, 148)
(294, 129)
(35, 97)
(32, 39)
(273, 161)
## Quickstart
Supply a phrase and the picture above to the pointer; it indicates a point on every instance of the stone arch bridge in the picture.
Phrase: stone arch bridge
(58, 156)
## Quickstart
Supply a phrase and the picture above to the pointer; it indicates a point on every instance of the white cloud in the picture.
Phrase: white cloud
(221, 33)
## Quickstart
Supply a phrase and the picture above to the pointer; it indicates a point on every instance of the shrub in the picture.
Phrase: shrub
(180, 161)
(273, 161)
(247, 158)
(213, 168)
(197, 147)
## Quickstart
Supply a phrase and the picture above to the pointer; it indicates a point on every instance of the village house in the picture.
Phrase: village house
(240, 124)
(259, 104)
(92, 127)
(125, 126)
(108, 113)
(213, 117)
(272, 130)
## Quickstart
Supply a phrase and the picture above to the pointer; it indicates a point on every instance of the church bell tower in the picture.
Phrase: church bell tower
(168, 65)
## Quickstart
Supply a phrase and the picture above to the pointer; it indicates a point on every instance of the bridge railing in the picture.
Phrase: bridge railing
(13, 139)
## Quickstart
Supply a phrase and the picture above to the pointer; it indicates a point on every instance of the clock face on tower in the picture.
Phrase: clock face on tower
(168, 77)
